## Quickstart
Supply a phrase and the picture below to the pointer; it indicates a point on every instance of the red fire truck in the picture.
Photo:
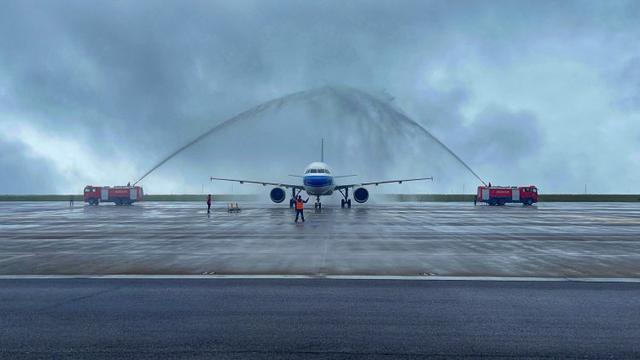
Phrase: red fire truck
(500, 195)
(120, 195)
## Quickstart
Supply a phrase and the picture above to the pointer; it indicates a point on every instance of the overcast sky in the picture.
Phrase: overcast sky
(526, 92)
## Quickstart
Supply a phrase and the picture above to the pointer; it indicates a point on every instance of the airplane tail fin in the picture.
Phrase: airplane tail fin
(322, 150)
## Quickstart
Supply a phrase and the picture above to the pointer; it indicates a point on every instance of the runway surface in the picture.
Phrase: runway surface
(317, 319)
(416, 239)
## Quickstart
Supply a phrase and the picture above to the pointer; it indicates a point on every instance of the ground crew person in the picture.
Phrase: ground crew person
(209, 204)
(300, 208)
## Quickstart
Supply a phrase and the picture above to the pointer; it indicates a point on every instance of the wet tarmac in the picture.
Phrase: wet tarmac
(415, 239)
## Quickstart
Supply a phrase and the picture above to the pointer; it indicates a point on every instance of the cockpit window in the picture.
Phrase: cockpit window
(317, 171)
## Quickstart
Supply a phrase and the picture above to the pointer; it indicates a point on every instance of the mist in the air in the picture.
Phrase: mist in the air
(363, 136)
(537, 92)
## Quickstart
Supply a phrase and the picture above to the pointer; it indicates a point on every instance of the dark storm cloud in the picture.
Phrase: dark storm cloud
(21, 173)
(143, 77)
(627, 84)
(503, 136)
(495, 135)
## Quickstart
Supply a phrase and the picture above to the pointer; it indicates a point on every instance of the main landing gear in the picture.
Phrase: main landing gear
(346, 201)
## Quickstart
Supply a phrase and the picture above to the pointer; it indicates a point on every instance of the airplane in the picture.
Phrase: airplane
(317, 181)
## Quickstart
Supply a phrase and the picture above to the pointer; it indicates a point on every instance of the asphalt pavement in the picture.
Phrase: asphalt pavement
(316, 319)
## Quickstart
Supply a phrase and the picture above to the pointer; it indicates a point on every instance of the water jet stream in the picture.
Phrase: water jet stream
(432, 137)
(277, 104)
(220, 126)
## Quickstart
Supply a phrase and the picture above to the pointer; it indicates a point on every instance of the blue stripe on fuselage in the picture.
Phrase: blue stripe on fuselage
(318, 181)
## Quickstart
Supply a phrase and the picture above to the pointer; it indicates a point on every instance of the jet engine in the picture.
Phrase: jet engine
(361, 195)
(277, 195)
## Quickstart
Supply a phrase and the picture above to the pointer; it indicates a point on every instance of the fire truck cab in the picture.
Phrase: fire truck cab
(500, 195)
(120, 195)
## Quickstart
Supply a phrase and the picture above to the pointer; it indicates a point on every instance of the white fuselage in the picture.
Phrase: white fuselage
(317, 179)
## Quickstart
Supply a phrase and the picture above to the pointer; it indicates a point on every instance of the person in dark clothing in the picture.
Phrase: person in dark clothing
(300, 208)
(209, 204)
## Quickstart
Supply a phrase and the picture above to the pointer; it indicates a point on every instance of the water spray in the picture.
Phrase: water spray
(220, 126)
(445, 147)
(278, 102)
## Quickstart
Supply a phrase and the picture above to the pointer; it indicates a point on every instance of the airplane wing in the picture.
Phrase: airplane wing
(376, 183)
(263, 183)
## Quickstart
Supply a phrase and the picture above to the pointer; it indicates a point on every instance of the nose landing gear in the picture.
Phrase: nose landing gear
(318, 204)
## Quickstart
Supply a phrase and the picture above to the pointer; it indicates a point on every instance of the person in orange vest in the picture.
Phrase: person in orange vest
(300, 207)
(209, 204)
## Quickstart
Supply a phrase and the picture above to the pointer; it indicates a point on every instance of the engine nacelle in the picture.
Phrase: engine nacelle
(277, 195)
(361, 195)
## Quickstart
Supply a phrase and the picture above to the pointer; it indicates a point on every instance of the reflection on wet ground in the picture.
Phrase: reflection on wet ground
(550, 239)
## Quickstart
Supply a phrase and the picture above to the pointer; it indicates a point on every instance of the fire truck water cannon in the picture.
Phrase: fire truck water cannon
(500, 195)
(120, 195)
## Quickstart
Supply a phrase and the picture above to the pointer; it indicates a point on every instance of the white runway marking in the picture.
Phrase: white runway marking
(14, 257)
(335, 277)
